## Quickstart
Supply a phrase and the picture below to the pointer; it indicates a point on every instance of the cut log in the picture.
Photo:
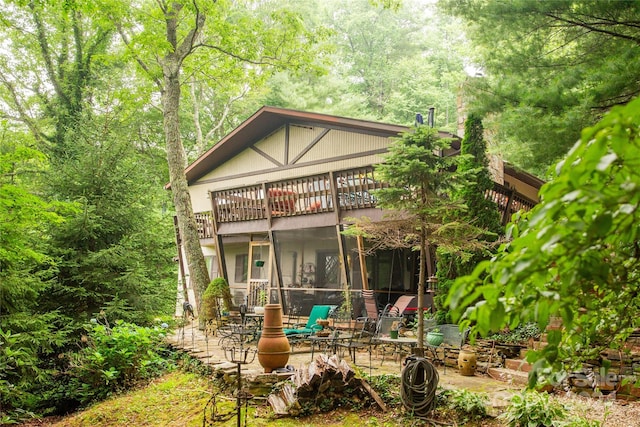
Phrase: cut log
(374, 395)
(285, 401)
(329, 380)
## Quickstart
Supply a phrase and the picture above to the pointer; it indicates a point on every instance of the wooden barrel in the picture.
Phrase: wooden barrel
(467, 362)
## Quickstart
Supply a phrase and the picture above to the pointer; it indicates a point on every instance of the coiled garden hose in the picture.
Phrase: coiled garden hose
(418, 387)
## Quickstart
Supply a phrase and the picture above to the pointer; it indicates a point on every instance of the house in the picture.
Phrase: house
(272, 197)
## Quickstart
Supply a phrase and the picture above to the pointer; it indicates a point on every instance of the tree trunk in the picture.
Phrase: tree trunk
(176, 156)
(424, 247)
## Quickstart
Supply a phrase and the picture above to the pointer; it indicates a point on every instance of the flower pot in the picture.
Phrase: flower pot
(435, 338)
(393, 335)
(273, 346)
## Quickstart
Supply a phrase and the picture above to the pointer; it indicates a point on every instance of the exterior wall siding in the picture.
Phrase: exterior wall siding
(339, 148)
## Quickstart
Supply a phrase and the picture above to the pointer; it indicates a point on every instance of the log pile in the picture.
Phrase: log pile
(325, 384)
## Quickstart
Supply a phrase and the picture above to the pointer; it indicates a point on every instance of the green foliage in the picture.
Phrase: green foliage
(218, 288)
(421, 184)
(550, 69)
(116, 358)
(387, 386)
(387, 63)
(574, 256)
(30, 344)
(471, 406)
(521, 333)
(480, 211)
(115, 252)
(533, 409)
(24, 218)
(28, 336)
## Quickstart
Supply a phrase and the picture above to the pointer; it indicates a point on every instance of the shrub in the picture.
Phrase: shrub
(218, 288)
(115, 359)
(520, 334)
(471, 406)
(533, 409)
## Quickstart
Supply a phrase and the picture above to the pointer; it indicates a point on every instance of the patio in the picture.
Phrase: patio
(206, 349)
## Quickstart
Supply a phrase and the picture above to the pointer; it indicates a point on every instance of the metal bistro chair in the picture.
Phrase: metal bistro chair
(453, 338)
(371, 306)
(360, 338)
(383, 330)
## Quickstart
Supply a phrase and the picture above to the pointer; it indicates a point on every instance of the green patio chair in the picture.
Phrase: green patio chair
(317, 312)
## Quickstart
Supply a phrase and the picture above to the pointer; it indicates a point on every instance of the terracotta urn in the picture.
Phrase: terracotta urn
(273, 346)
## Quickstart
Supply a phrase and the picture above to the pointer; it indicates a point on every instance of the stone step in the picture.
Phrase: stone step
(509, 376)
(518, 365)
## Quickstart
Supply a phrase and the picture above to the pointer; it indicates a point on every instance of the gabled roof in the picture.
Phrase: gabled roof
(267, 120)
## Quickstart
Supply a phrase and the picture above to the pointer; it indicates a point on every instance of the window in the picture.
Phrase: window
(242, 268)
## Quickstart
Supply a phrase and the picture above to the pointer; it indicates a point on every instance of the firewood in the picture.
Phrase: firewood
(328, 380)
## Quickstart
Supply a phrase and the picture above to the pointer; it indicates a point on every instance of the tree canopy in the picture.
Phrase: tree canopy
(574, 256)
(550, 68)
(386, 63)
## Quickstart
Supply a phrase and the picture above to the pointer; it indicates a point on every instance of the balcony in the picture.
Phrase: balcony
(349, 190)
(300, 196)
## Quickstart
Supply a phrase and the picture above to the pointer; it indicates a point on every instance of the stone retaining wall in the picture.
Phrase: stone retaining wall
(617, 383)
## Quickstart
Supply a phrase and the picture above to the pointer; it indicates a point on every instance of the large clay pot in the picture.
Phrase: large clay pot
(273, 346)
(467, 362)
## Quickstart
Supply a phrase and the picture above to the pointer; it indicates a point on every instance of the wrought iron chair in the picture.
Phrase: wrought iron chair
(452, 338)
(360, 337)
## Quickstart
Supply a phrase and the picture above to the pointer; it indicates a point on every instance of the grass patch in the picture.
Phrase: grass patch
(176, 399)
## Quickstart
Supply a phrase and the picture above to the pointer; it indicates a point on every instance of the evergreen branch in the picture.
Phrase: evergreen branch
(593, 27)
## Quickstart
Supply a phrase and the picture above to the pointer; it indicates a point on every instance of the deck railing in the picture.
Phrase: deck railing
(509, 201)
(354, 189)
(299, 196)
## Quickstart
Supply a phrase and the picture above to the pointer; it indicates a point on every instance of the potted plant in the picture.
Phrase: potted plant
(435, 337)
(395, 327)
(261, 301)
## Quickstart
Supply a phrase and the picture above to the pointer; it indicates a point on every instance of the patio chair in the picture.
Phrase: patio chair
(453, 338)
(383, 332)
(401, 304)
(371, 306)
(360, 338)
(317, 312)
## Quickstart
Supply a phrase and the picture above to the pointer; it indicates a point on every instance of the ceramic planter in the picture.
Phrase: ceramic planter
(467, 362)
(435, 338)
